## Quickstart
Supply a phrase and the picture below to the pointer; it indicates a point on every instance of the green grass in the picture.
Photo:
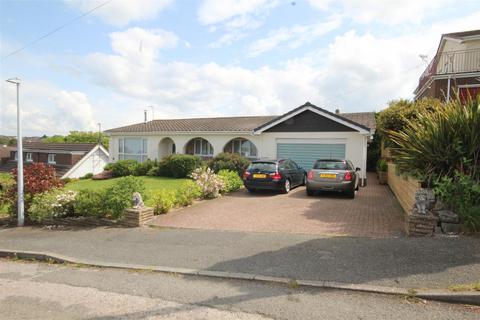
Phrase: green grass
(152, 184)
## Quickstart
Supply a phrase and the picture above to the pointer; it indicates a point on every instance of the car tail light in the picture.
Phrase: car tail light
(246, 174)
(310, 175)
(348, 176)
(276, 176)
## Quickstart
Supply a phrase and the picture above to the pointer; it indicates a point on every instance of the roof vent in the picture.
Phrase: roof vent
(337, 111)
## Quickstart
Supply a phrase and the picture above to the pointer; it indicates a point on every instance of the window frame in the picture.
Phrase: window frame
(29, 157)
(140, 157)
(203, 145)
(240, 143)
(49, 158)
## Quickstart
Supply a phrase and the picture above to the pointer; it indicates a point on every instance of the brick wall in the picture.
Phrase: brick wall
(403, 187)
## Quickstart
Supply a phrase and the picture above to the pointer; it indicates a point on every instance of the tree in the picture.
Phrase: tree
(79, 137)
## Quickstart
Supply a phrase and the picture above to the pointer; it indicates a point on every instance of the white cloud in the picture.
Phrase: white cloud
(121, 12)
(46, 109)
(235, 18)
(232, 11)
(389, 12)
(294, 37)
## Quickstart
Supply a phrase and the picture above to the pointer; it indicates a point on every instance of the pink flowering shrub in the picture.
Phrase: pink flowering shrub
(210, 184)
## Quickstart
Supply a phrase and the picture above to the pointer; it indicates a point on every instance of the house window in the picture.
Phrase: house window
(29, 157)
(16, 156)
(51, 158)
(132, 149)
(202, 147)
(243, 147)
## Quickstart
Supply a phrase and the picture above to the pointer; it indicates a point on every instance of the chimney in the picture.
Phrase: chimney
(337, 111)
(145, 115)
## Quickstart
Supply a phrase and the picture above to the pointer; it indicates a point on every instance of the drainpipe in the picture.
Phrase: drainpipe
(448, 88)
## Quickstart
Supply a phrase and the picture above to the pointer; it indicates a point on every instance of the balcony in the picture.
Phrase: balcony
(452, 62)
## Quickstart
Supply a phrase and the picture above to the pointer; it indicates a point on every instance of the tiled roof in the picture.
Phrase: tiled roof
(230, 124)
(79, 147)
(227, 124)
(366, 119)
(459, 35)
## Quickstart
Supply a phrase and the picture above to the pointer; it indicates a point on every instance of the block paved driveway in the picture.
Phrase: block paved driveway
(374, 212)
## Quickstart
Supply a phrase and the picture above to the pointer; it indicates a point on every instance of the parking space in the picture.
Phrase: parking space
(373, 213)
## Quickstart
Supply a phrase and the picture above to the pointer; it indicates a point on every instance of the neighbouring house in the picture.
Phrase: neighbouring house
(456, 66)
(304, 134)
(5, 153)
(70, 160)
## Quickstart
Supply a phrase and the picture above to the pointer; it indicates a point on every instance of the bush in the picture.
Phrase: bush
(210, 184)
(187, 193)
(229, 161)
(163, 169)
(461, 193)
(382, 165)
(52, 204)
(231, 180)
(90, 203)
(163, 201)
(123, 168)
(143, 168)
(182, 165)
(436, 144)
(87, 176)
(38, 178)
(119, 195)
(153, 172)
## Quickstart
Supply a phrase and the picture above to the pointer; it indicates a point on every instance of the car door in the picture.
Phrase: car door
(296, 172)
(283, 170)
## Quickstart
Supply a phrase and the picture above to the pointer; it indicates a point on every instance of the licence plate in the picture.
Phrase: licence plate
(259, 176)
(328, 175)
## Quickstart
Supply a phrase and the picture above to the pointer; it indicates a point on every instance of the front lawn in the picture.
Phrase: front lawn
(152, 184)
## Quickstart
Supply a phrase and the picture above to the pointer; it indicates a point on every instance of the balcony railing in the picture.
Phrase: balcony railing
(452, 62)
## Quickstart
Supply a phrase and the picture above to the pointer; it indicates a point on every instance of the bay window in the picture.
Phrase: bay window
(132, 149)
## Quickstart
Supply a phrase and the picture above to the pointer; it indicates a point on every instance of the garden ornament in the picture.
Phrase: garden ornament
(137, 201)
(421, 201)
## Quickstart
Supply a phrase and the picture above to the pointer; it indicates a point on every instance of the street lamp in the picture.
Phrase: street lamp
(21, 217)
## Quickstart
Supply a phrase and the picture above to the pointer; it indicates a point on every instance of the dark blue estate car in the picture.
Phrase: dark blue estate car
(281, 175)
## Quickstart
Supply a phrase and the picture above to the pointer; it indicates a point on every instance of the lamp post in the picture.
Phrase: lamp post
(20, 207)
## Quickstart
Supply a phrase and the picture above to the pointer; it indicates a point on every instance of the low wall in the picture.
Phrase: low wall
(403, 187)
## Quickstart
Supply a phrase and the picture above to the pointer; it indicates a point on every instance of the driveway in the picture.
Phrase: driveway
(374, 212)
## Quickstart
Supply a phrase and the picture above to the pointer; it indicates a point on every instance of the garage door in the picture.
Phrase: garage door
(305, 154)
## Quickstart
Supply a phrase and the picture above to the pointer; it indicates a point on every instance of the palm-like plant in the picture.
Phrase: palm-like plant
(439, 143)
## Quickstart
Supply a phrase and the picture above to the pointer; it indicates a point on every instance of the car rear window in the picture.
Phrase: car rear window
(263, 166)
(330, 165)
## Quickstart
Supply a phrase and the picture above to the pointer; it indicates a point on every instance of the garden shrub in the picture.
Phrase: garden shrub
(119, 195)
(182, 165)
(123, 168)
(38, 178)
(90, 203)
(52, 204)
(87, 176)
(461, 193)
(163, 169)
(143, 168)
(382, 165)
(210, 184)
(163, 201)
(153, 172)
(229, 161)
(187, 193)
(231, 180)
(436, 144)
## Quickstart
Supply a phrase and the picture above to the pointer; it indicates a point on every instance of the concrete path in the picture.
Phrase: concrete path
(393, 262)
(375, 212)
(43, 291)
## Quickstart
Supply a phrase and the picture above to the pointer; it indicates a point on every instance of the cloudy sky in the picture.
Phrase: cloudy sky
(197, 58)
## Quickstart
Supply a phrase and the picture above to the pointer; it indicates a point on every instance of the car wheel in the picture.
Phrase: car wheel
(286, 186)
(310, 192)
(304, 183)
